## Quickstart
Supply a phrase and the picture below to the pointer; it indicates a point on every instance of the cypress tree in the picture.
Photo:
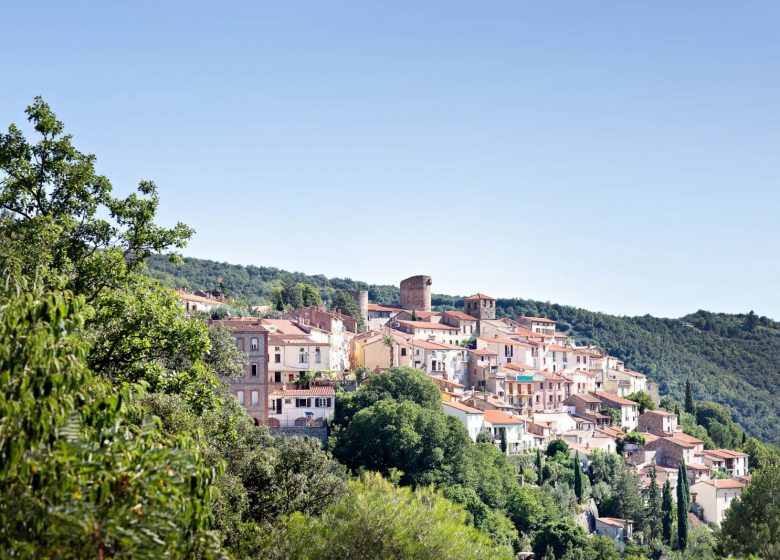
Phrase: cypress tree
(683, 504)
(667, 506)
(689, 407)
(539, 474)
(654, 510)
(577, 479)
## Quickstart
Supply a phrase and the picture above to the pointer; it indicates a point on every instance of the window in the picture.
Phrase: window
(303, 403)
(240, 397)
(277, 358)
(322, 403)
(255, 397)
(254, 344)
(254, 370)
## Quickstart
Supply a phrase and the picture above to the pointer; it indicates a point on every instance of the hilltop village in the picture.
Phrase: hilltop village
(517, 382)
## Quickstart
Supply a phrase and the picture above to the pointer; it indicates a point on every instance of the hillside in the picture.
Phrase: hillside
(733, 360)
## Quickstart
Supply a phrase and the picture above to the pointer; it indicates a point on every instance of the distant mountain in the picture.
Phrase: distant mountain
(733, 360)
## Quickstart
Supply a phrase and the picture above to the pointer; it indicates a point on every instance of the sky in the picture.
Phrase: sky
(616, 156)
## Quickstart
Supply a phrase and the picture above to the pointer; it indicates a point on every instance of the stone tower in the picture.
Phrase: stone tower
(361, 299)
(416, 293)
(480, 306)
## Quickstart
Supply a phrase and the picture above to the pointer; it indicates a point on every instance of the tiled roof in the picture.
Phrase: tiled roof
(725, 453)
(724, 483)
(460, 315)
(538, 319)
(464, 408)
(613, 398)
(313, 391)
(427, 325)
(501, 417)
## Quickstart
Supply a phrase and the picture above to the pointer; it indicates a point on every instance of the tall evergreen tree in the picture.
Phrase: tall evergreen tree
(667, 506)
(539, 469)
(683, 504)
(654, 512)
(577, 478)
(689, 406)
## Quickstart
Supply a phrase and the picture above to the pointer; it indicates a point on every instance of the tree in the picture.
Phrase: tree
(76, 477)
(346, 304)
(539, 468)
(643, 400)
(683, 505)
(752, 523)
(690, 408)
(667, 506)
(577, 477)
(654, 506)
(556, 446)
(378, 520)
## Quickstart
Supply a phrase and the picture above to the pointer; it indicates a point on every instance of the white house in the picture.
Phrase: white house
(714, 497)
(513, 427)
(301, 407)
(472, 418)
(619, 530)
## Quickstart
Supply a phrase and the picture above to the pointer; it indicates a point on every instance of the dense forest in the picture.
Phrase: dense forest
(733, 360)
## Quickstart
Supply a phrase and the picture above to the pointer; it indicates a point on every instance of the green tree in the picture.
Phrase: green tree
(683, 505)
(667, 506)
(643, 400)
(690, 408)
(577, 477)
(752, 523)
(346, 304)
(654, 506)
(539, 468)
(378, 520)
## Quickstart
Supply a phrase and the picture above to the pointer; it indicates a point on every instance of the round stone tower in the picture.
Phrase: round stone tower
(361, 299)
(416, 293)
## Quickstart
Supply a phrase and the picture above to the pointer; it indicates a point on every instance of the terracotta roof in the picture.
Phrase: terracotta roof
(501, 417)
(482, 352)
(725, 453)
(686, 438)
(611, 397)
(326, 391)
(460, 315)
(724, 483)
(613, 521)
(506, 341)
(480, 296)
(464, 408)
(538, 319)
(377, 307)
(427, 325)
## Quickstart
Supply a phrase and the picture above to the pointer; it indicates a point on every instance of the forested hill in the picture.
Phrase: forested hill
(731, 359)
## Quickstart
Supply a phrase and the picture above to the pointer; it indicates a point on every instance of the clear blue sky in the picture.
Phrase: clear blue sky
(619, 156)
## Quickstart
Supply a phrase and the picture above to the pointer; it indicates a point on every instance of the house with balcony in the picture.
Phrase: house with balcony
(735, 463)
(512, 427)
(301, 408)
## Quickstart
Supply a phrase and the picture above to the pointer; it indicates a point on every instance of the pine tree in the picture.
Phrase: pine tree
(577, 479)
(689, 406)
(654, 512)
(667, 506)
(683, 503)
(539, 473)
